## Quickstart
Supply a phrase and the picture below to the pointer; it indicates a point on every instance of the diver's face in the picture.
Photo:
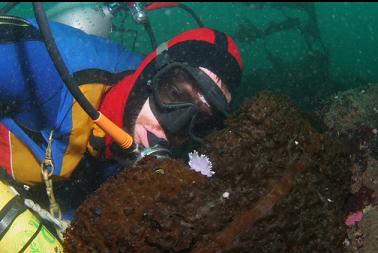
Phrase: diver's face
(148, 131)
(145, 125)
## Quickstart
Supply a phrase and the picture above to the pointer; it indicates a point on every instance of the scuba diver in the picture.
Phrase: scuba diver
(176, 93)
(163, 98)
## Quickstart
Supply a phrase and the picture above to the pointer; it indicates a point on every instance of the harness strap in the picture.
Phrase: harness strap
(9, 213)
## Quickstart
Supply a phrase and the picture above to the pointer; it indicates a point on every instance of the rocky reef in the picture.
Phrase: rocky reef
(353, 114)
(280, 185)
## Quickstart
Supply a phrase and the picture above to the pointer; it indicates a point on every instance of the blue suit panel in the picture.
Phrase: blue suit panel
(33, 96)
(31, 89)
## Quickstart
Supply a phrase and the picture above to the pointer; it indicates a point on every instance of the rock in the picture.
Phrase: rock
(277, 201)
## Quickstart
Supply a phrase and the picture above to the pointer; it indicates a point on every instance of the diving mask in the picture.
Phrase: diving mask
(186, 101)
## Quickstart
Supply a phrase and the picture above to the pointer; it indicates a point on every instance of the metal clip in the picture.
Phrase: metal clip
(158, 151)
(48, 162)
(46, 174)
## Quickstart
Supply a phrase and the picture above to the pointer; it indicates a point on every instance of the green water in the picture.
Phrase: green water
(343, 55)
(348, 31)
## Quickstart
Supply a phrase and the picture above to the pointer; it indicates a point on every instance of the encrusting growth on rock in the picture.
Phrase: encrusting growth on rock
(286, 184)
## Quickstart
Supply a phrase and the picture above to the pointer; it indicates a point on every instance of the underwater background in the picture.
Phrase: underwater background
(306, 50)
(324, 57)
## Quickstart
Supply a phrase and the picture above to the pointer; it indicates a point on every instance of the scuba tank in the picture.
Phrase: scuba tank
(20, 229)
(92, 19)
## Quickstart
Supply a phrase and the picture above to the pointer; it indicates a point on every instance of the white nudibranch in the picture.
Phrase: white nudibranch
(200, 163)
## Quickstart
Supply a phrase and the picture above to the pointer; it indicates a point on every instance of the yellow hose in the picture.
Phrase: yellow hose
(117, 133)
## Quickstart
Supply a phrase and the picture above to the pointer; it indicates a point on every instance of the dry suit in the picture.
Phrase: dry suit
(34, 99)
(122, 102)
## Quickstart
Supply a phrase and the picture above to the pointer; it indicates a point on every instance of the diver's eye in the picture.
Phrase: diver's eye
(174, 92)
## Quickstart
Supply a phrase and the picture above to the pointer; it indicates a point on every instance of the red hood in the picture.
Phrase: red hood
(113, 106)
(202, 47)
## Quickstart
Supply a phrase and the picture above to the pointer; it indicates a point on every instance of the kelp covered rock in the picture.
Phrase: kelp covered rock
(353, 113)
(119, 217)
(279, 186)
(350, 110)
(267, 143)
